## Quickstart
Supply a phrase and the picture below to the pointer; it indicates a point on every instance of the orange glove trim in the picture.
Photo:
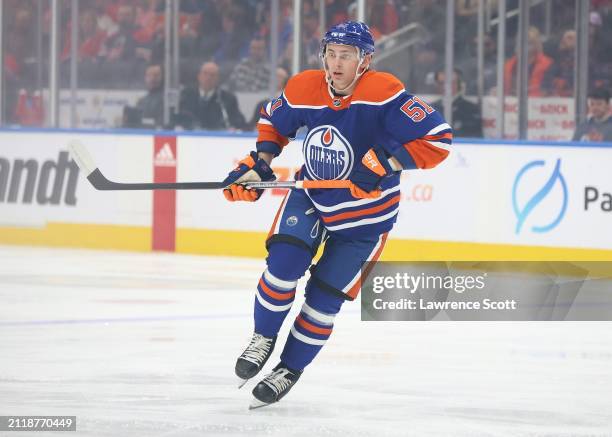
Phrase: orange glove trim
(370, 160)
(361, 194)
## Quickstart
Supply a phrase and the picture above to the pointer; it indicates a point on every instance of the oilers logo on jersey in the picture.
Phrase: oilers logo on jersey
(327, 154)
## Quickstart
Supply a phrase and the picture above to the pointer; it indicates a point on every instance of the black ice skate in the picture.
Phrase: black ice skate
(254, 357)
(274, 386)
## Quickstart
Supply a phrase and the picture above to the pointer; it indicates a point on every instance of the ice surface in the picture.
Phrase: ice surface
(144, 345)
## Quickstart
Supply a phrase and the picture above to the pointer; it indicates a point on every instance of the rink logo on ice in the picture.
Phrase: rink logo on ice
(47, 183)
(539, 196)
(327, 154)
(165, 157)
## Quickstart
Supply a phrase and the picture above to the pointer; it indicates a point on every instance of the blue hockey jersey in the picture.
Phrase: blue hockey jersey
(341, 129)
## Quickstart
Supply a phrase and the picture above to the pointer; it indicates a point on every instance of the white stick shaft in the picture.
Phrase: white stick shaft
(81, 156)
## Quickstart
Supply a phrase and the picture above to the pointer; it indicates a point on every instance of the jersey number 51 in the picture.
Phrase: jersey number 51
(416, 109)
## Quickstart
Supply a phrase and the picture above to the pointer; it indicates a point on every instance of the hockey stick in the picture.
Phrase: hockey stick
(86, 163)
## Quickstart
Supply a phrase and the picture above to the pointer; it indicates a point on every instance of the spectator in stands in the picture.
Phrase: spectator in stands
(539, 64)
(18, 54)
(465, 25)
(383, 16)
(19, 107)
(335, 11)
(13, 56)
(598, 126)
(600, 49)
(469, 65)
(149, 110)
(422, 74)
(311, 41)
(430, 15)
(91, 38)
(148, 20)
(21, 22)
(467, 119)
(208, 106)
(428, 52)
(559, 79)
(19, 43)
(121, 46)
(252, 74)
(281, 80)
(284, 37)
(232, 37)
(106, 23)
(189, 34)
(209, 29)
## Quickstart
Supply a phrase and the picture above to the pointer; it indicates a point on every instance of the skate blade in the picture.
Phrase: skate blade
(256, 403)
(242, 382)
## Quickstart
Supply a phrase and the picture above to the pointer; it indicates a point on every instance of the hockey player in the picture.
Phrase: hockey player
(362, 125)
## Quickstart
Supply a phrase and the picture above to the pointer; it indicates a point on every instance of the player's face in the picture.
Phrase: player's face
(342, 64)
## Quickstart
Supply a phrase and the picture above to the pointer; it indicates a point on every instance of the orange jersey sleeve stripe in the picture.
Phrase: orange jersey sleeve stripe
(273, 294)
(354, 291)
(362, 212)
(269, 133)
(425, 154)
(312, 328)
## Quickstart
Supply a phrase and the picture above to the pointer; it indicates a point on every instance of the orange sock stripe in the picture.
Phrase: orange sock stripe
(312, 328)
(362, 212)
(273, 294)
(354, 291)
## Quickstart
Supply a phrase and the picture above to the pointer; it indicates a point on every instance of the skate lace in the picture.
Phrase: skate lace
(258, 349)
(277, 381)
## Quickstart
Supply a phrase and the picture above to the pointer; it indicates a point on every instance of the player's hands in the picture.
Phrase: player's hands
(369, 173)
(250, 169)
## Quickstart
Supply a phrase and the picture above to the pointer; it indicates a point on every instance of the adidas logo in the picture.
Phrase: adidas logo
(165, 157)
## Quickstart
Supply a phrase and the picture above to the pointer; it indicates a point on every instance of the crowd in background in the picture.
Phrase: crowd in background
(120, 39)
(112, 32)
(551, 56)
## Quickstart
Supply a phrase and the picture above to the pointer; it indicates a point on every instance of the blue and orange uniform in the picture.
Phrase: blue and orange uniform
(340, 130)
(377, 122)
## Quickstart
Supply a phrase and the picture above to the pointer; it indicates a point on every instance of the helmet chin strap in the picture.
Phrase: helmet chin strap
(329, 81)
